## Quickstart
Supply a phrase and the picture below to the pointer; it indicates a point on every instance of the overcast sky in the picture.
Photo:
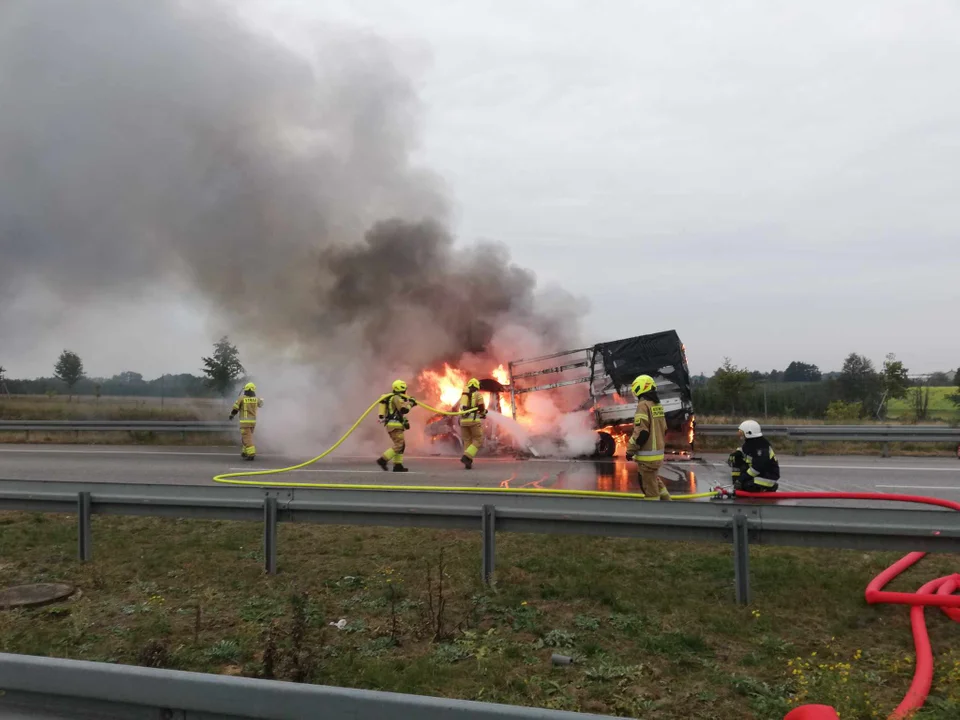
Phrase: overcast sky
(775, 180)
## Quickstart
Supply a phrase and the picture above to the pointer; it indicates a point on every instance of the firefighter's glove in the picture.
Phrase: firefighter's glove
(413, 402)
(404, 410)
(406, 424)
(232, 416)
(735, 459)
(629, 455)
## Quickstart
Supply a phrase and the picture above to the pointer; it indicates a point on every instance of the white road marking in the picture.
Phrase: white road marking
(85, 451)
(891, 468)
(318, 470)
(921, 487)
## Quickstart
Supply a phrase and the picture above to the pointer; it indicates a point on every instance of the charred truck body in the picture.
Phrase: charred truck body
(607, 369)
(595, 380)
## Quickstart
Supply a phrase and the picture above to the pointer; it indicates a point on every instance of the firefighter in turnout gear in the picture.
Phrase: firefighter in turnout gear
(647, 442)
(755, 465)
(393, 414)
(471, 423)
(247, 406)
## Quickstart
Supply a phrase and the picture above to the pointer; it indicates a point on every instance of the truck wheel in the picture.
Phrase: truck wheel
(606, 445)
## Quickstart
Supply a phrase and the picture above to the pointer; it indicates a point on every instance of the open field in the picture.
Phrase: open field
(941, 406)
(652, 625)
(58, 407)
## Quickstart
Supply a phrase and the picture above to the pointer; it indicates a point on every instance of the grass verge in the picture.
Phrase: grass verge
(651, 625)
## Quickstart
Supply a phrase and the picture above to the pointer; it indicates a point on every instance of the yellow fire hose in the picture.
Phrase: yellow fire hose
(231, 478)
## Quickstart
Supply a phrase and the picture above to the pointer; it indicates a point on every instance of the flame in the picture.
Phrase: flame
(449, 383)
(620, 437)
(446, 385)
(690, 432)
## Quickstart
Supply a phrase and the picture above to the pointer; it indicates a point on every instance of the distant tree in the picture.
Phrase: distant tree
(69, 369)
(940, 379)
(920, 402)
(801, 372)
(732, 383)
(128, 378)
(894, 378)
(224, 367)
(860, 382)
(956, 396)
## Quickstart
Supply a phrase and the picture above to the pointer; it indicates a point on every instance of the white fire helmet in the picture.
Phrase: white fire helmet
(750, 429)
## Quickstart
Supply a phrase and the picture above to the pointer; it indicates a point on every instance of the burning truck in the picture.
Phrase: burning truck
(592, 382)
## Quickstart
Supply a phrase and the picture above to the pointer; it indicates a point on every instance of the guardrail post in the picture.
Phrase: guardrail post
(270, 535)
(799, 448)
(489, 524)
(741, 558)
(886, 449)
(84, 535)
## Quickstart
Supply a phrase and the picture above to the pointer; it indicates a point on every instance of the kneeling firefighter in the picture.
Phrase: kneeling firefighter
(647, 442)
(471, 423)
(393, 411)
(755, 465)
(246, 406)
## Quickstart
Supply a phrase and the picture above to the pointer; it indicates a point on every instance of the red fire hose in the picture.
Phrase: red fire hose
(939, 593)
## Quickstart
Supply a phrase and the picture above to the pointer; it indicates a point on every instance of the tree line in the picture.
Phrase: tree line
(222, 372)
(859, 390)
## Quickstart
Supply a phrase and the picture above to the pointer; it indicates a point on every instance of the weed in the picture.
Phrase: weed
(586, 622)
(225, 651)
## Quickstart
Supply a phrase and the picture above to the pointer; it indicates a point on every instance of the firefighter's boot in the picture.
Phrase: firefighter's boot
(400, 468)
(382, 462)
(467, 462)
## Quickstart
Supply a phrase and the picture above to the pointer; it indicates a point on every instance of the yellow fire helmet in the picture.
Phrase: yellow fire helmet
(399, 386)
(643, 384)
(474, 384)
(250, 386)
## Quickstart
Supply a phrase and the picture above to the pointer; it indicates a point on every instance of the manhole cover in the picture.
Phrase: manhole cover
(34, 595)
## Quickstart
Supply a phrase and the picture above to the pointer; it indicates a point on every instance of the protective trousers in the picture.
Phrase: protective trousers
(650, 481)
(399, 445)
(246, 439)
(472, 436)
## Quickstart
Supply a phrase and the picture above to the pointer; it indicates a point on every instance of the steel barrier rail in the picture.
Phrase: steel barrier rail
(740, 523)
(884, 434)
(51, 689)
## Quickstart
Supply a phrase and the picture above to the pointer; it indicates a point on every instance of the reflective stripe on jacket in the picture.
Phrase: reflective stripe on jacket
(471, 401)
(390, 410)
(247, 406)
(650, 418)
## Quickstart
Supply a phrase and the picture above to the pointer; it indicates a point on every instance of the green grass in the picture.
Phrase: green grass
(58, 407)
(941, 406)
(652, 626)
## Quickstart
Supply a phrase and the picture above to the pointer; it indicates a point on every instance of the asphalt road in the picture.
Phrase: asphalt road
(938, 477)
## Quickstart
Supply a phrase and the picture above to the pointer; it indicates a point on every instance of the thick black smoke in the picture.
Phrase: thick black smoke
(143, 143)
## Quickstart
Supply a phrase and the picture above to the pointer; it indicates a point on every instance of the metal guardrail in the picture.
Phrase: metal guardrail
(45, 689)
(885, 434)
(740, 523)
(51, 689)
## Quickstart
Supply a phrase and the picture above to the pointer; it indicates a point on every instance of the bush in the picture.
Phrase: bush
(839, 411)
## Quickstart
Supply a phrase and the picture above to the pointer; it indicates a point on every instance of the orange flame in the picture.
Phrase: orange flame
(446, 385)
(501, 375)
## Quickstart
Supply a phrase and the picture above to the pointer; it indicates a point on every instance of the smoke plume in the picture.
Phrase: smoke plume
(171, 144)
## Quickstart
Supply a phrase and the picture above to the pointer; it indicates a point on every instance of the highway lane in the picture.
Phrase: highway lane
(939, 477)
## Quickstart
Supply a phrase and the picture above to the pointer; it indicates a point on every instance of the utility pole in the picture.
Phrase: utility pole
(3, 382)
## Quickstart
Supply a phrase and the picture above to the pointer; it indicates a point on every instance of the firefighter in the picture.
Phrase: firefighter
(471, 424)
(647, 442)
(247, 406)
(755, 466)
(393, 414)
